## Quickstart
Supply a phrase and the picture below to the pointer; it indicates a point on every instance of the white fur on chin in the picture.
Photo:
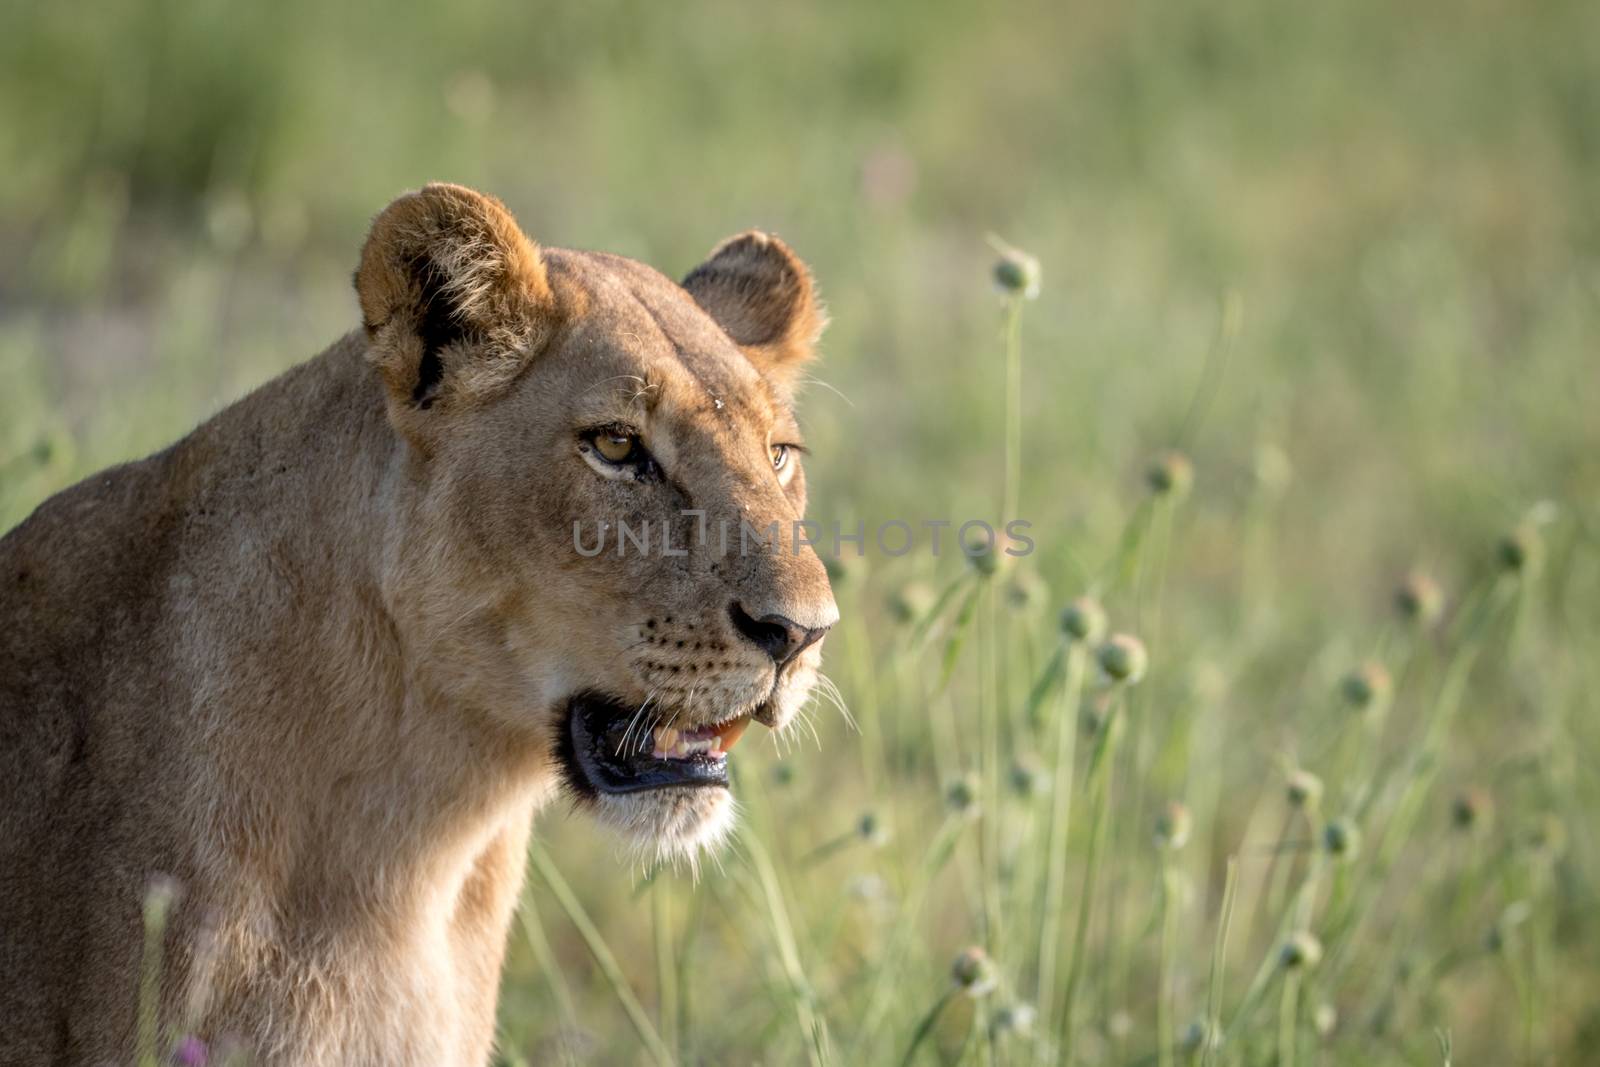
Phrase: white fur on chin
(670, 825)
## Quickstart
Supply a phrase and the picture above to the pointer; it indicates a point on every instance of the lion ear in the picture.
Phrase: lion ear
(762, 296)
(454, 298)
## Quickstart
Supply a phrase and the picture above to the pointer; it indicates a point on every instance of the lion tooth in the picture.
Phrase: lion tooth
(669, 742)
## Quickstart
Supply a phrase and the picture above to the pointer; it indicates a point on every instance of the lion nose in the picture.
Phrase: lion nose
(777, 635)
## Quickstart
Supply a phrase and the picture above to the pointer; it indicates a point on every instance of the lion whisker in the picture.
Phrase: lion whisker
(828, 688)
(812, 380)
(634, 721)
(803, 715)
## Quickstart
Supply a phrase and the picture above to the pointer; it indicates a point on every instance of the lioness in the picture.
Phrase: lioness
(321, 661)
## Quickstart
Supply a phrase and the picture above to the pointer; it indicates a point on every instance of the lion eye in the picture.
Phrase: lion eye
(616, 447)
(618, 451)
(780, 457)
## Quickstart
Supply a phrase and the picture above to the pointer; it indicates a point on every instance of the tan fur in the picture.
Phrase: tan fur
(310, 661)
(763, 297)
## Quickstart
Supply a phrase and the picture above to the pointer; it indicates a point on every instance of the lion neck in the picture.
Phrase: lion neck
(365, 787)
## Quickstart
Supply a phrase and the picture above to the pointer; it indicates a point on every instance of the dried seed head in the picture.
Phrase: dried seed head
(1174, 825)
(1017, 274)
(1025, 591)
(1520, 550)
(911, 602)
(974, 972)
(1368, 687)
(961, 795)
(1302, 950)
(1015, 1019)
(867, 887)
(871, 829)
(1341, 838)
(1472, 809)
(985, 562)
(1514, 915)
(1084, 620)
(1170, 474)
(1303, 789)
(1028, 779)
(990, 551)
(1419, 599)
(844, 571)
(1201, 1034)
(1547, 836)
(1123, 659)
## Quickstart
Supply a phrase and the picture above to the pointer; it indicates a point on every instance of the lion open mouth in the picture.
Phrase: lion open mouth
(610, 751)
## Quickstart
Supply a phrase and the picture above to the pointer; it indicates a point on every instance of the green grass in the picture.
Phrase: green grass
(1345, 256)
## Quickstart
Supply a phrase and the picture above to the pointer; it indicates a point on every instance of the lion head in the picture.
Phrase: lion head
(552, 401)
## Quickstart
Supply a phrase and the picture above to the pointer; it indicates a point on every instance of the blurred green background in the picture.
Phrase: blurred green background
(1399, 201)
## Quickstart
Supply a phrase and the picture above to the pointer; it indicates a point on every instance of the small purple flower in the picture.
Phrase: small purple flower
(189, 1052)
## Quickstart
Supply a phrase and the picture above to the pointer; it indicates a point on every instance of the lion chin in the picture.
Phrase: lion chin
(670, 826)
(663, 787)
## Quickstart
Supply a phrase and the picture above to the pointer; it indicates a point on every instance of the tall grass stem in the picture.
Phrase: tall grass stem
(1219, 962)
(1013, 346)
(601, 952)
(1100, 781)
(1052, 907)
